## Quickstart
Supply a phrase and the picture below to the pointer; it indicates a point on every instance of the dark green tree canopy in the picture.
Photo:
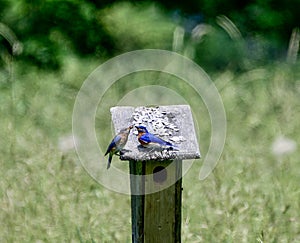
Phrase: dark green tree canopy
(50, 29)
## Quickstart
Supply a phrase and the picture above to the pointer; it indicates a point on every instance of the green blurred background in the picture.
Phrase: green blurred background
(249, 49)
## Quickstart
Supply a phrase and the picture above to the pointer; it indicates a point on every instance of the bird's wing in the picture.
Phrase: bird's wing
(145, 138)
(113, 144)
(118, 140)
(150, 138)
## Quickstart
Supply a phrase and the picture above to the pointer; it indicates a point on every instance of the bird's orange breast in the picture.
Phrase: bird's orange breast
(140, 140)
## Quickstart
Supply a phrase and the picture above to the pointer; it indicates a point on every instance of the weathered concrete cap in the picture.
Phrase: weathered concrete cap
(171, 123)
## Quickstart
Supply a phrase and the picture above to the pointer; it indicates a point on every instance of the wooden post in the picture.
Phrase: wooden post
(155, 177)
(162, 209)
(137, 201)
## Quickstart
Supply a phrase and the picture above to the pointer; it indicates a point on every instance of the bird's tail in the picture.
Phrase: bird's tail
(171, 146)
(174, 147)
(109, 161)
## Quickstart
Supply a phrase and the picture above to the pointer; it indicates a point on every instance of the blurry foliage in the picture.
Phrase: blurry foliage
(252, 195)
(249, 192)
(50, 30)
(136, 27)
(218, 51)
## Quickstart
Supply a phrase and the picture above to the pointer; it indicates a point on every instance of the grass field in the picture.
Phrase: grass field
(253, 195)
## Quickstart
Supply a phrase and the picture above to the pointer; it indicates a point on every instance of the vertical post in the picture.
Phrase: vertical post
(156, 217)
(137, 200)
(178, 200)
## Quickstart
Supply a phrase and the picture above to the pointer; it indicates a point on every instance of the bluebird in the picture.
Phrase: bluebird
(117, 144)
(149, 140)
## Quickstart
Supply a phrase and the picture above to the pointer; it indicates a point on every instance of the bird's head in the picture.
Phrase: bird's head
(126, 129)
(141, 129)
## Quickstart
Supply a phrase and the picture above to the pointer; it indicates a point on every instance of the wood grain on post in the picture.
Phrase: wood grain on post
(156, 217)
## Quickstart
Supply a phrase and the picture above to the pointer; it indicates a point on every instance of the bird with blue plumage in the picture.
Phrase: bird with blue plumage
(117, 144)
(149, 140)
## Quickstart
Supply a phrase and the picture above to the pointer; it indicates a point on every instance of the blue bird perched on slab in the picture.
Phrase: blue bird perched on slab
(149, 140)
(117, 144)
